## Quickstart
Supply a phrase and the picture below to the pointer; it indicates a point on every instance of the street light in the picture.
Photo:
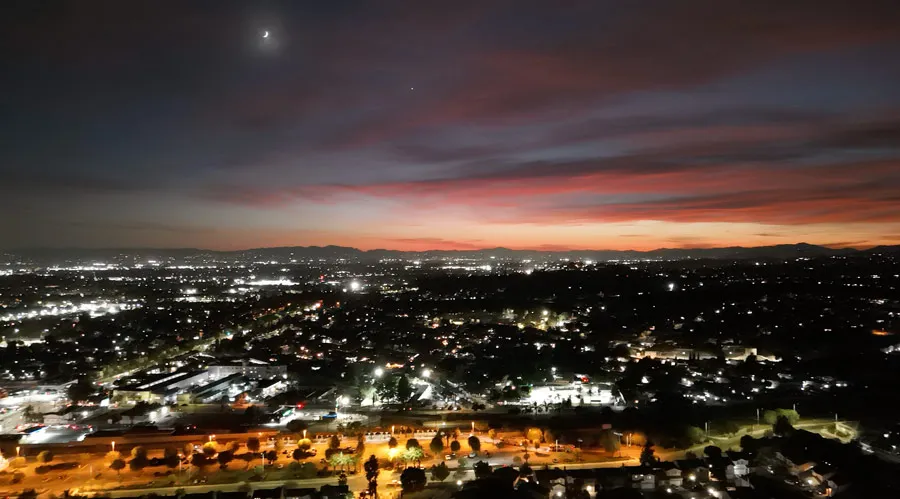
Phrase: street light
(379, 372)
(212, 437)
(304, 433)
(426, 373)
(473, 426)
(113, 443)
(17, 451)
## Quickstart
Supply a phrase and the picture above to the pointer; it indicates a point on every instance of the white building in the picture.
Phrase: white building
(250, 368)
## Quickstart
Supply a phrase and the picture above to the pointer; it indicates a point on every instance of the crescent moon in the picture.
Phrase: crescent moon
(265, 34)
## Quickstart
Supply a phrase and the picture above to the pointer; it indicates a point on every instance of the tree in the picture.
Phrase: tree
(454, 446)
(414, 454)
(340, 460)
(279, 445)
(712, 451)
(299, 454)
(80, 391)
(492, 434)
(138, 463)
(117, 465)
(413, 479)
(113, 455)
(224, 458)
(404, 389)
(525, 470)
(334, 442)
(209, 449)
(695, 435)
(462, 462)
(360, 445)
(792, 416)
(782, 426)
(392, 443)
(304, 444)
(474, 443)
(769, 417)
(728, 427)
(437, 444)
(45, 457)
(17, 463)
(308, 470)
(233, 446)
(188, 449)
(253, 444)
(371, 469)
(610, 441)
(748, 443)
(271, 456)
(440, 472)
(199, 460)
(169, 452)
(412, 442)
(534, 435)
(386, 388)
(647, 455)
(482, 469)
(139, 459)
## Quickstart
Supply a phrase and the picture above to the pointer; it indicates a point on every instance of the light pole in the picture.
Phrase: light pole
(304, 434)
(473, 427)
(113, 444)
(17, 451)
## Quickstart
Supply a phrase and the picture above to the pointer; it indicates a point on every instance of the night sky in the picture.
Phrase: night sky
(449, 124)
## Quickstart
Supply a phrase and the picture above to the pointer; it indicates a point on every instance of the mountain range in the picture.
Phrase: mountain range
(300, 253)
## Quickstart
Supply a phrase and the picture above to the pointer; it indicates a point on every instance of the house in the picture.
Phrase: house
(669, 475)
(273, 493)
(305, 493)
(334, 491)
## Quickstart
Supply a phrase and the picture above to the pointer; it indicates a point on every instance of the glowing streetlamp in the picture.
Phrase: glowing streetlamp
(17, 451)
(426, 373)
(113, 444)
(473, 426)
(212, 437)
(392, 429)
(379, 372)
(304, 433)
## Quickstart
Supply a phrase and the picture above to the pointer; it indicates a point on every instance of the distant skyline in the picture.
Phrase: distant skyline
(581, 124)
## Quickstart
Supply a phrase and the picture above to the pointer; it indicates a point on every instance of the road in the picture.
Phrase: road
(95, 475)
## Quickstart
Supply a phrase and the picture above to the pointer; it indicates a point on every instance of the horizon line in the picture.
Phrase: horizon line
(831, 246)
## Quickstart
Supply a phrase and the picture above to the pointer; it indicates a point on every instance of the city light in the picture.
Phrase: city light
(379, 372)
(426, 373)
(355, 285)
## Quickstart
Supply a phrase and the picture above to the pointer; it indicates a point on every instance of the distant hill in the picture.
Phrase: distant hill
(334, 253)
